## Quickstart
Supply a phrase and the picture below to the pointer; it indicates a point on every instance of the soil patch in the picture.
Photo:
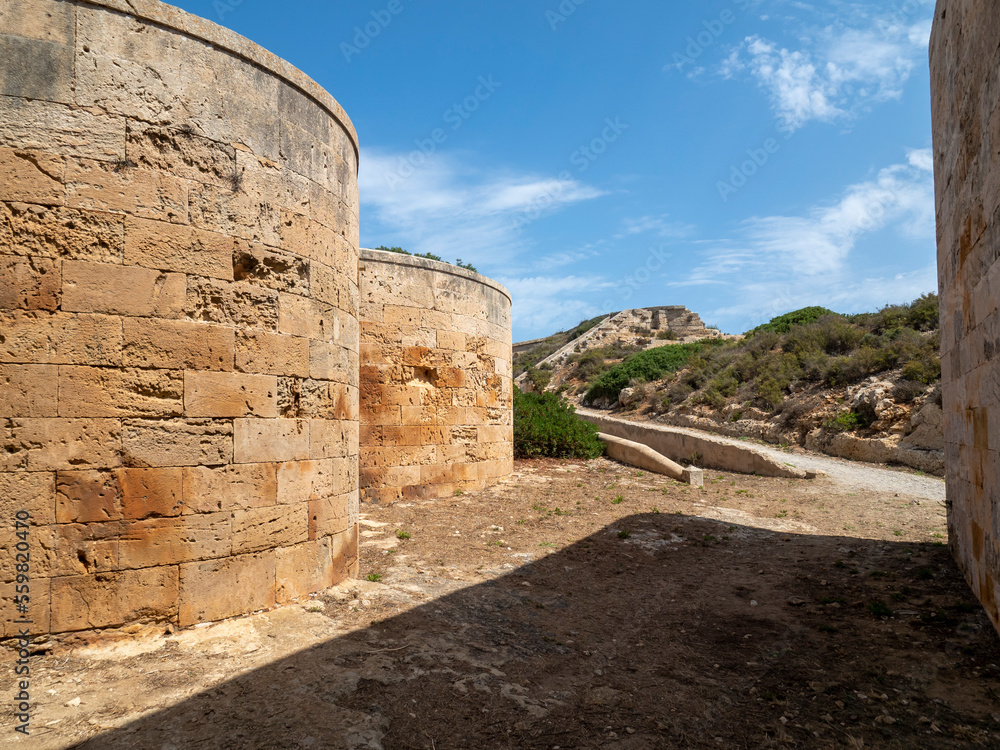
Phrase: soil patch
(580, 605)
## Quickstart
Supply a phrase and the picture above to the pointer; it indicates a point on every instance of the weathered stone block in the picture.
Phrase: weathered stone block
(32, 492)
(60, 444)
(230, 394)
(328, 515)
(178, 248)
(256, 529)
(110, 599)
(176, 442)
(271, 440)
(310, 239)
(29, 284)
(120, 188)
(167, 541)
(330, 362)
(181, 152)
(225, 488)
(299, 481)
(122, 290)
(332, 439)
(240, 304)
(81, 549)
(107, 392)
(39, 605)
(217, 589)
(29, 391)
(35, 68)
(32, 124)
(32, 176)
(177, 344)
(272, 353)
(151, 493)
(57, 232)
(88, 497)
(252, 211)
(275, 269)
(304, 569)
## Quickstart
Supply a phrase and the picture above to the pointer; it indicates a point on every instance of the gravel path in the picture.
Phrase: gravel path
(851, 474)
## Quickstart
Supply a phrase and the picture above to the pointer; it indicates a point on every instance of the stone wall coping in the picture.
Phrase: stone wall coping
(398, 259)
(227, 40)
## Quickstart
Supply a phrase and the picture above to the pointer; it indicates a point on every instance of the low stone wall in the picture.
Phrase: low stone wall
(178, 320)
(436, 393)
(965, 78)
(701, 451)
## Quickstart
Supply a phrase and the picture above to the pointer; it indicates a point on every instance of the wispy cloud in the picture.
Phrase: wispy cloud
(858, 59)
(659, 226)
(552, 303)
(779, 261)
(454, 210)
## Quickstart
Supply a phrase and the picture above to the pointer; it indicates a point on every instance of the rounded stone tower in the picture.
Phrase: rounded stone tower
(178, 320)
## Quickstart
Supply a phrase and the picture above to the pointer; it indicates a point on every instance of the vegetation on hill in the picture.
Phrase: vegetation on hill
(785, 323)
(807, 346)
(546, 426)
(644, 366)
(428, 256)
(551, 344)
(812, 345)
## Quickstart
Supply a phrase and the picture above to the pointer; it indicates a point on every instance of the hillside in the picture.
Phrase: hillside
(596, 344)
(859, 386)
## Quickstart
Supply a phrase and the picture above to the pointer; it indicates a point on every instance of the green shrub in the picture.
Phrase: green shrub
(925, 369)
(539, 378)
(466, 266)
(547, 426)
(770, 392)
(647, 365)
(667, 336)
(843, 422)
(785, 323)
(399, 250)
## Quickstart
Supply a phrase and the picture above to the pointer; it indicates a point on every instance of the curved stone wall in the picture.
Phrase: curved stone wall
(178, 319)
(965, 79)
(436, 393)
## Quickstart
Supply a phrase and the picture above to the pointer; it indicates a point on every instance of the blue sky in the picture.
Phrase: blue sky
(741, 157)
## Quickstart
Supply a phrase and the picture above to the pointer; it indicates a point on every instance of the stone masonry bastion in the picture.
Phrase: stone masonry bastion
(436, 392)
(179, 328)
(965, 80)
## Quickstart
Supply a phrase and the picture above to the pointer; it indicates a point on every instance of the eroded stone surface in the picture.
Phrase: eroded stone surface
(964, 75)
(435, 399)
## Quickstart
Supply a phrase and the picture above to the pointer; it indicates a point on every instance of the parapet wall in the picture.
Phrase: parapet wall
(436, 392)
(965, 78)
(178, 319)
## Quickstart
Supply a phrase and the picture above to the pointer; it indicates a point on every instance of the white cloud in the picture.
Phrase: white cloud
(657, 225)
(859, 59)
(445, 207)
(783, 262)
(547, 304)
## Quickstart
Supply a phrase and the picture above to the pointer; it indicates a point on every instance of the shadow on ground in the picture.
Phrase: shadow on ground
(662, 631)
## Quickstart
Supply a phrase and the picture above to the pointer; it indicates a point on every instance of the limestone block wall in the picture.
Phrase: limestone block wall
(178, 319)
(436, 393)
(965, 78)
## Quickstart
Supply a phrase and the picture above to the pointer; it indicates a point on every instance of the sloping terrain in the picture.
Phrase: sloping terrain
(865, 387)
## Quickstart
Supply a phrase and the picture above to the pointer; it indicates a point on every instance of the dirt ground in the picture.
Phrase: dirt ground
(577, 605)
